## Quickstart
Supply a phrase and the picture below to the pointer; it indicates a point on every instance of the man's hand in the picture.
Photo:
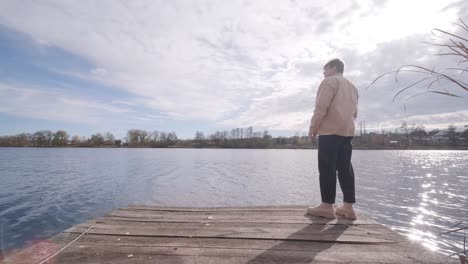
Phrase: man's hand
(312, 135)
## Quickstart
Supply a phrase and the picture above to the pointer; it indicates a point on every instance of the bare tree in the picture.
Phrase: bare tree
(162, 137)
(137, 137)
(43, 138)
(249, 132)
(155, 136)
(434, 79)
(109, 138)
(199, 136)
(405, 130)
(465, 136)
(452, 135)
(97, 139)
(60, 138)
(418, 132)
(171, 138)
(76, 140)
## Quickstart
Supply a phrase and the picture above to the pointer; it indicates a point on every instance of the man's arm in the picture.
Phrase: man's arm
(325, 95)
(355, 113)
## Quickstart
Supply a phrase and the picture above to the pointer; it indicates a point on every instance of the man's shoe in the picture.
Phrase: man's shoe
(322, 212)
(346, 213)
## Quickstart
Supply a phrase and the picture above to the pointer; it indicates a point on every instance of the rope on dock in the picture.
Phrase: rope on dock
(55, 254)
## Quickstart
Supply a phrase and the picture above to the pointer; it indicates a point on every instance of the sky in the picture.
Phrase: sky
(187, 66)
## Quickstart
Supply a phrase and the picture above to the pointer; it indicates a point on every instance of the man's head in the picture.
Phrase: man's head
(333, 67)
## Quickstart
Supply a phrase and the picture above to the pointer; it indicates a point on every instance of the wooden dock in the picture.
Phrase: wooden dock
(263, 234)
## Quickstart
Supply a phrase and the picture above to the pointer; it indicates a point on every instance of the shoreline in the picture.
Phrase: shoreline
(274, 147)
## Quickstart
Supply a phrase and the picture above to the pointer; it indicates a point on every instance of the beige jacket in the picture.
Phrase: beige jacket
(335, 107)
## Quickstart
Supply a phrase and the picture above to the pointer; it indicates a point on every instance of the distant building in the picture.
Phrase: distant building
(377, 139)
(443, 137)
(432, 133)
(440, 137)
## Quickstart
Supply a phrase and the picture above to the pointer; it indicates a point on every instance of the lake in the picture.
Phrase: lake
(46, 190)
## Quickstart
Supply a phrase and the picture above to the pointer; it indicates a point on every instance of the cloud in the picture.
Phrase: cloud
(55, 105)
(432, 121)
(234, 63)
(277, 112)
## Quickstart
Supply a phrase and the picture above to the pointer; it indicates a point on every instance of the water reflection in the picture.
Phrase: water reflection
(432, 195)
(44, 191)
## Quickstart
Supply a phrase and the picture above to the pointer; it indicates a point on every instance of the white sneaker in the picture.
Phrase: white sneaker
(346, 213)
(322, 212)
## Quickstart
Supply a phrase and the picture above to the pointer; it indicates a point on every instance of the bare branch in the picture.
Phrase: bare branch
(456, 45)
(437, 92)
(458, 69)
(442, 75)
(409, 86)
(400, 70)
(450, 34)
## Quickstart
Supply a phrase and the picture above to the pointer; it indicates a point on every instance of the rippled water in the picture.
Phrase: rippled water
(44, 191)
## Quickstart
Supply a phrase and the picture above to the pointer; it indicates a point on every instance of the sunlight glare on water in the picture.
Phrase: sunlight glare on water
(433, 201)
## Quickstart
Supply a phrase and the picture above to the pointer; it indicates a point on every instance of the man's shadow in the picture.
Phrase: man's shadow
(305, 244)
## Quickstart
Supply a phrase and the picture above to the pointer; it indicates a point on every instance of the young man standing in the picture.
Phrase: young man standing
(333, 120)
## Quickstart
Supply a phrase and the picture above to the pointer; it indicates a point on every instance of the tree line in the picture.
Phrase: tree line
(406, 136)
(414, 136)
(61, 138)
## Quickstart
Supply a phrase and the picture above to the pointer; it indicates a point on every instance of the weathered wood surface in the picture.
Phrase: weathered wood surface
(261, 234)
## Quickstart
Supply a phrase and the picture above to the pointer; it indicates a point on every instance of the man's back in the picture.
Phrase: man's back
(336, 107)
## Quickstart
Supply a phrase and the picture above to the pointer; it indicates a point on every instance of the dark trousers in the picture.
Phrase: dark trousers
(334, 154)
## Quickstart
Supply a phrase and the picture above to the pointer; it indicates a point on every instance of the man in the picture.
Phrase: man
(333, 120)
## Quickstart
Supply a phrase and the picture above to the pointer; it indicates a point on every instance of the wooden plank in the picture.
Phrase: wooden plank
(119, 223)
(223, 211)
(218, 209)
(225, 219)
(144, 251)
(279, 258)
(337, 233)
(329, 253)
(219, 223)
(195, 242)
(234, 216)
